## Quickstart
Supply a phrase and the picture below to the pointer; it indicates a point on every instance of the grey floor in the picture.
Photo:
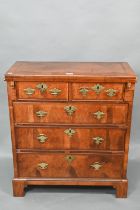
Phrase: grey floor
(53, 198)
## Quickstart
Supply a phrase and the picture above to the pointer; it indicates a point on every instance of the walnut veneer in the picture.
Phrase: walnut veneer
(70, 123)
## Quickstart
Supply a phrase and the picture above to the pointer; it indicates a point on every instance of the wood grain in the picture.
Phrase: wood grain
(82, 139)
(114, 127)
(59, 167)
(92, 95)
(72, 71)
(22, 86)
(84, 114)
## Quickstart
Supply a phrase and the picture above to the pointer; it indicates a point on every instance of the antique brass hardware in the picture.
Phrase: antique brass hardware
(70, 132)
(55, 91)
(42, 165)
(97, 88)
(42, 138)
(41, 113)
(42, 87)
(111, 92)
(84, 91)
(70, 109)
(99, 115)
(29, 91)
(96, 165)
(98, 140)
(69, 158)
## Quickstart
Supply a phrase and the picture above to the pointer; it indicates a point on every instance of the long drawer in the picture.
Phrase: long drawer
(80, 113)
(71, 138)
(72, 165)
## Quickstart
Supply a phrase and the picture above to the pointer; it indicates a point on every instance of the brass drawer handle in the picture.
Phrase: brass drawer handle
(42, 165)
(42, 87)
(29, 91)
(41, 113)
(98, 140)
(55, 91)
(84, 91)
(99, 115)
(96, 165)
(97, 88)
(111, 92)
(70, 132)
(70, 109)
(42, 138)
(69, 158)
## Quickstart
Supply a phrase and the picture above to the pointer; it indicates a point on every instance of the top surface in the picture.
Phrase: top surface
(71, 69)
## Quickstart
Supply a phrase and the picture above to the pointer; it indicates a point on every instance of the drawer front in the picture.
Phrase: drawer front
(70, 138)
(72, 165)
(80, 113)
(42, 90)
(97, 91)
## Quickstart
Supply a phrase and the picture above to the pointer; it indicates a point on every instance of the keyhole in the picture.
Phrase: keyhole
(70, 157)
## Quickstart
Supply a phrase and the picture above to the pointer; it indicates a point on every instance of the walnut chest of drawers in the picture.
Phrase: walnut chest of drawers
(70, 123)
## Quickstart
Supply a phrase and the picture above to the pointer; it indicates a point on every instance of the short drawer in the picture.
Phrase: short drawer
(97, 91)
(78, 113)
(55, 165)
(71, 138)
(42, 90)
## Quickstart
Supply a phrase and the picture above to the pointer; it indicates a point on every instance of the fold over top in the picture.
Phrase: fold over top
(71, 71)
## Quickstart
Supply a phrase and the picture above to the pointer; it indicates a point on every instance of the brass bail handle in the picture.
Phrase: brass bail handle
(96, 166)
(29, 91)
(98, 140)
(41, 113)
(111, 92)
(42, 138)
(99, 115)
(42, 165)
(84, 91)
(55, 91)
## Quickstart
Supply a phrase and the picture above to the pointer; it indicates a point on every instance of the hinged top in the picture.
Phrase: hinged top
(71, 71)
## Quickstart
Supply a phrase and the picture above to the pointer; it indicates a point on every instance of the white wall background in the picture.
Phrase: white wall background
(68, 30)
